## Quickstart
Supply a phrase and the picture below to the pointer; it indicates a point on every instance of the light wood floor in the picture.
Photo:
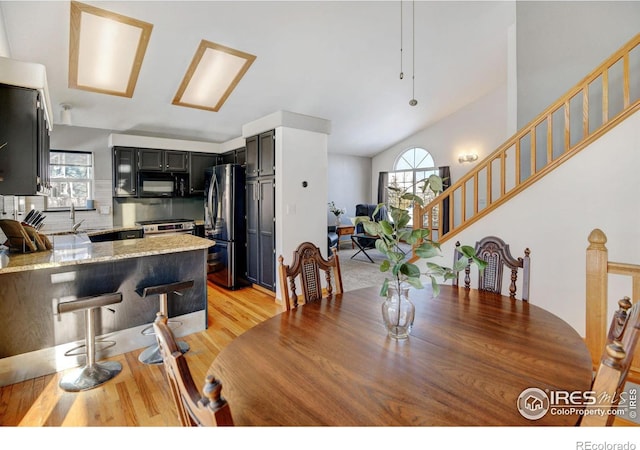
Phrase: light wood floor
(138, 396)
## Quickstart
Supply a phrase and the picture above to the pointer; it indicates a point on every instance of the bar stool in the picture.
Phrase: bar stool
(93, 374)
(151, 355)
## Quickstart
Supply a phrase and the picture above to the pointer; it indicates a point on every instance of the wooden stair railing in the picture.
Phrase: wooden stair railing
(560, 132)
(598, 269)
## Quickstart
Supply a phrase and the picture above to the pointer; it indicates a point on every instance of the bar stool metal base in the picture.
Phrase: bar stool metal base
(89, 377)
(151, 355)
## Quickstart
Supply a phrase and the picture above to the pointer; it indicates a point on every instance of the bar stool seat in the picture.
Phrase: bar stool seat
(152, 355)
(93, 374)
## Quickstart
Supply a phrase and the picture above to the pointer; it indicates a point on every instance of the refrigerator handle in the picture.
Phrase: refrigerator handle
(210, 201)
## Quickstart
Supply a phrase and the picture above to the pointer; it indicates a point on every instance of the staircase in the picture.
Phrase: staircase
(595, 105)
(592, 108)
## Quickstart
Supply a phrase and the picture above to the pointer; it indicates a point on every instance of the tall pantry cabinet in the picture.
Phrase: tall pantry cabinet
(260, 170)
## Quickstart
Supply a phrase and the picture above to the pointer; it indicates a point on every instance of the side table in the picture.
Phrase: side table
(344, 230)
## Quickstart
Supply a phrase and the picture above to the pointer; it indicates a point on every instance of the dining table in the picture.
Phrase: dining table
(468, 360)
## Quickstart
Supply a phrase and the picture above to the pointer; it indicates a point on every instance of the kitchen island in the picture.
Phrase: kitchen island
(34, 338)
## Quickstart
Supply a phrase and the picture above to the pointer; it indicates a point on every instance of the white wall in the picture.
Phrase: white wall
(560, 42)
(598, 188)
(349, 184)
(301, 156)
(4, 42)
(480, 127)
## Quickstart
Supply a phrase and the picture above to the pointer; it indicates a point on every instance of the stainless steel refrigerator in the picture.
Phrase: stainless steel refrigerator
(225, 223)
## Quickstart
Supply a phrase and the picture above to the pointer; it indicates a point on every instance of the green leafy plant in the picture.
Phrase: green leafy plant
(335, 210)
(391, 233)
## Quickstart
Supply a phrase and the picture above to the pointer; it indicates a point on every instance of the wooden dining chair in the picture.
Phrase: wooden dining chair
(193, 408)
(497, 255)
(305, 270)
(615, 362)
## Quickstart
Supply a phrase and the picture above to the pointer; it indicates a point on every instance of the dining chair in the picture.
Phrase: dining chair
(599, 270)
(497, 255)
(193, 408)
(305, 270)
(615, 362)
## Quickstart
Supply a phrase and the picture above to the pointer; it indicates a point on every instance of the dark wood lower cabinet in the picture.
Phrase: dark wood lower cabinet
(261, 258)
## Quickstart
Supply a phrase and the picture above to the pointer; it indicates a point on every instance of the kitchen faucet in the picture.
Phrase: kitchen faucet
(72, 216)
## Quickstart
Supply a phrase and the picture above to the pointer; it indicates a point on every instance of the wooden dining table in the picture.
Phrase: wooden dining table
(469, 357)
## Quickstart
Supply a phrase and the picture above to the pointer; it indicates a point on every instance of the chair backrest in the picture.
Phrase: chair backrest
(615, 362)
(497, 255)
(193, 408)
(366, 210)
(305, 267)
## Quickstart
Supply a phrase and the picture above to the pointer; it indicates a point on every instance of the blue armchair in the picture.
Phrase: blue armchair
(366, 242)
(332, 239)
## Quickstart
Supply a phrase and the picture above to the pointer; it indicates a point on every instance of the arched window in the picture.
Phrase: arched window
(411, 167)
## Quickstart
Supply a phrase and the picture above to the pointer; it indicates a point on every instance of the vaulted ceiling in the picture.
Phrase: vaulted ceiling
(334, 60)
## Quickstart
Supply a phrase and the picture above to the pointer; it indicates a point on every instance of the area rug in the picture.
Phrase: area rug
(359, 272)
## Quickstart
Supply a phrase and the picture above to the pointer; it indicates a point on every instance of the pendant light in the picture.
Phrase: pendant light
(401, 28)
(413, 101)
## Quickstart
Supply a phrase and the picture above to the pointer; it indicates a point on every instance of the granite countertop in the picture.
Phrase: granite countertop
(111, 230)
(94, 232)
(78, 249)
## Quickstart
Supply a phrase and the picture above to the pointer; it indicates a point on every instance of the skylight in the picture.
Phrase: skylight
(105, 50)
(212, 75)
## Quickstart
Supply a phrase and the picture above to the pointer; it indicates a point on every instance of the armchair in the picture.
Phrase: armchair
(363, 241)
(332, 239)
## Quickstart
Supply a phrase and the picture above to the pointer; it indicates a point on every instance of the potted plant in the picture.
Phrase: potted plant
(397, 310)
(336, 212)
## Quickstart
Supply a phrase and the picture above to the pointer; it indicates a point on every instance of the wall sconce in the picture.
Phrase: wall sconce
(65, 115)
(469, 157)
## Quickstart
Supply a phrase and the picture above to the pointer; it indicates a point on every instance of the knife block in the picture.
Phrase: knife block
(23, 239)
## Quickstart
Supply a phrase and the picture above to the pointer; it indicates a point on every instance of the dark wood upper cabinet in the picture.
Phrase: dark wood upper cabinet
(24, 142)
(155, 160)
(150, 160)
(198, 162)
(176, 161)
(252, 156)
(124, 171)
(260, 155)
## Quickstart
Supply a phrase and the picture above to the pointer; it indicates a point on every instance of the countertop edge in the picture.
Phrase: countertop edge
(102, 252)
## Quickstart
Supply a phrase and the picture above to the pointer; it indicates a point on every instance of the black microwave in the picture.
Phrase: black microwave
(161, 184)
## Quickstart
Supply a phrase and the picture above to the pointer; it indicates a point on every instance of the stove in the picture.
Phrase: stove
(163, 227)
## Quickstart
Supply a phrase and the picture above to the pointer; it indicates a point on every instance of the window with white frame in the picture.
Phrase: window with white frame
(71, 176)
(412, 166)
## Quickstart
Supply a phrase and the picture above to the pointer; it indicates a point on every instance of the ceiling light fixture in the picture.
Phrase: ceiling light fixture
(65, 114)
(401, 33)
(413, 101)
(105, 50)
(213, 74)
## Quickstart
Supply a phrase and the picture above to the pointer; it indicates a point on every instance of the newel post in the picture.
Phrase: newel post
(596, 294)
